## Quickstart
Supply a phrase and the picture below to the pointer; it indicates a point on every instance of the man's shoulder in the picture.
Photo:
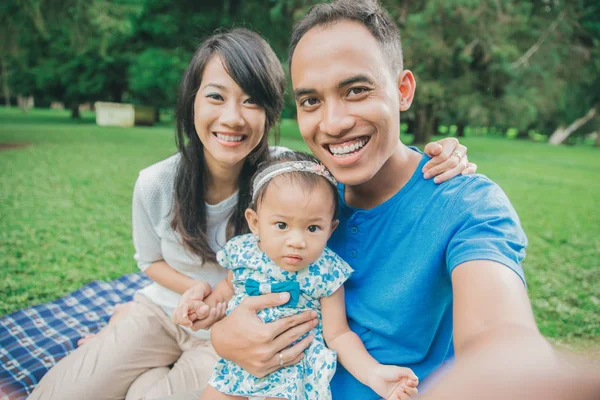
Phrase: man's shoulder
(466, 189)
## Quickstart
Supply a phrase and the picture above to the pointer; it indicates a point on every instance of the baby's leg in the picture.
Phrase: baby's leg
(210, 393)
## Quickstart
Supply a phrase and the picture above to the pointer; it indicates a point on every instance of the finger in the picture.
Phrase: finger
(206, 322)
(444, 163)
(433, 149)
(471, 169)
(410, 391)
(286, 324)
(448, 146)
(257, 303)
(293, 334)
(451, 173)
(293, 352)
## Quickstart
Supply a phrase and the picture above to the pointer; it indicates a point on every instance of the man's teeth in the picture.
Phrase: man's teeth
(347, 149)
(229, 138)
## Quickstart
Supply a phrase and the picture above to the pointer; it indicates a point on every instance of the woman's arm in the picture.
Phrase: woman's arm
(385, 380)
(166, 276)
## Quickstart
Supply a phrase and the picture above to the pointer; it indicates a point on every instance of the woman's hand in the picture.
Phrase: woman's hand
(448, 159)
(243, 338)
(191, 306)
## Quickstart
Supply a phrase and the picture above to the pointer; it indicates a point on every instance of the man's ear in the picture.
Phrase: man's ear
(334, 224)
(407, 86)
(252, 219)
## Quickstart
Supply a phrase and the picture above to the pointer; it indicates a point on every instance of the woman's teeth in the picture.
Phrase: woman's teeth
(345, 149)
(229, 138)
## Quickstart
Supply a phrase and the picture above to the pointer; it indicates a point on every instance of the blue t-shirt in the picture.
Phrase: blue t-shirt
(399, 299)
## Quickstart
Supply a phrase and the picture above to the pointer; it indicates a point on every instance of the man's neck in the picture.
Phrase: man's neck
(392, 177)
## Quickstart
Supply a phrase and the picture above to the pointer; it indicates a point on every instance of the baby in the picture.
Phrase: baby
(292, 215)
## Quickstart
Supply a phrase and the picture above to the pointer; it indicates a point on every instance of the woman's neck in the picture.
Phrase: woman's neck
(221, 181)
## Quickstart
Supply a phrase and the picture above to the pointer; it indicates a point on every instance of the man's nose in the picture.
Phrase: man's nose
(336, 120)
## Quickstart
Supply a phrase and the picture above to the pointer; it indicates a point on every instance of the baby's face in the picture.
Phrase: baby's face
(294, 222)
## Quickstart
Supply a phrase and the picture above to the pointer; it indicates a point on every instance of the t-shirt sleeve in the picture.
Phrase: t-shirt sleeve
(333, 274)
(223, 258)
(485, 226)
(145, 239)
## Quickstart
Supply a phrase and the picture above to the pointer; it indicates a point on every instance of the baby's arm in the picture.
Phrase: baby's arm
(222, 292)
(387, 381)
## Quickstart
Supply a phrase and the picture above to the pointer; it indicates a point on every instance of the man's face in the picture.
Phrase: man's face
(348, 100)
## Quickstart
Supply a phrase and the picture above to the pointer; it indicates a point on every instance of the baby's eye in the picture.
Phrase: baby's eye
(313, 228)
(281, 225)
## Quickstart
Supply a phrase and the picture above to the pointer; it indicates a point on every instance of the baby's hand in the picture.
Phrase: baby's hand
(191, 306)
(393, 383)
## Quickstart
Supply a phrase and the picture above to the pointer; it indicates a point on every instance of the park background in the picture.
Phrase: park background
(502, 75)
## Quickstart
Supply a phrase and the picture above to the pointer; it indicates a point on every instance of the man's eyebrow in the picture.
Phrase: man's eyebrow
(303, 92)
(349, 81)
(356, 79)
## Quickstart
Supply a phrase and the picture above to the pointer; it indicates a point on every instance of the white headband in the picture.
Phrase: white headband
(290, 166)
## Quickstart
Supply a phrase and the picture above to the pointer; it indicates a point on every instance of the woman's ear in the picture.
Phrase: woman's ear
(252, 219)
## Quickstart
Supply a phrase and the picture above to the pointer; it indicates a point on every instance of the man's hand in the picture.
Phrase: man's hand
(243, 338)
(393, 383)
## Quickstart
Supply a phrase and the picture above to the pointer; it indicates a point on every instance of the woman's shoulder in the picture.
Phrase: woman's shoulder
(158, 179)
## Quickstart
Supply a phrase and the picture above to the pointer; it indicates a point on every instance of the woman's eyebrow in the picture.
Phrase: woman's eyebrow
(215, 85)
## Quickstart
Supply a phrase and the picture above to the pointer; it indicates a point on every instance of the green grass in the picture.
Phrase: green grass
(65, 209)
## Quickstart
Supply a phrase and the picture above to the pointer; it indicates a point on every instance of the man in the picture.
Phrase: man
(437, 267)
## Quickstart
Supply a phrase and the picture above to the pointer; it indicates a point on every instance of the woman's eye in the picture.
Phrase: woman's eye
(313, 228)
(250, 101)
(281, 225)
(357, 91)
(308, 102)
(215, 96)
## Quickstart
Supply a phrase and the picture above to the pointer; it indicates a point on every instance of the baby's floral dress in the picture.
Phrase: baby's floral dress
(254, 273)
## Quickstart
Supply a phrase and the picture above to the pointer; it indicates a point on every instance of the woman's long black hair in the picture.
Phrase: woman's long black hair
(253, 65)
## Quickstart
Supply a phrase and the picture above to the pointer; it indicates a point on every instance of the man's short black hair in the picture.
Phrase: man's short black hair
(369, 13)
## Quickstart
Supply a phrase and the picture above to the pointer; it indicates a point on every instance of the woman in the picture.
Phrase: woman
(184, 210)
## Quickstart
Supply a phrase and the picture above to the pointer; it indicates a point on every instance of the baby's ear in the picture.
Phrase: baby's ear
(334, 224)
(252, 219)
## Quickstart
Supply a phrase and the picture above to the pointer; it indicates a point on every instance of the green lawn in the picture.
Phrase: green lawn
(65, 211)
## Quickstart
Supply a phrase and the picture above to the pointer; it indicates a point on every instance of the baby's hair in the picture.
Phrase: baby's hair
(307, 179)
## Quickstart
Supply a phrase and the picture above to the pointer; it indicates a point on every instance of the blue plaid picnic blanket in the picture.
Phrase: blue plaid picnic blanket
(34, 339)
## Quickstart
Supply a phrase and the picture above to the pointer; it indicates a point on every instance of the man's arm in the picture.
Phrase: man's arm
(500, 353)
(488, 297)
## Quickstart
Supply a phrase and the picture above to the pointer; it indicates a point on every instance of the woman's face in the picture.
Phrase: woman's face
(228, 122)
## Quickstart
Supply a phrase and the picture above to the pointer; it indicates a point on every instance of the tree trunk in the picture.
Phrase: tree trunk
(561, 133)
(460, 129)
(156, 115)
(424, 126)
(5, 88)
(75, 111)
(598, 139)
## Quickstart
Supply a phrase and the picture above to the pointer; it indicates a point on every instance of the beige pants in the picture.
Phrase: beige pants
(144, 355)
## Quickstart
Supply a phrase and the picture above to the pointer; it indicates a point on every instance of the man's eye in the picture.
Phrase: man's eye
(357, 91)
(310, 101)
(313, 228)
(281, 225)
